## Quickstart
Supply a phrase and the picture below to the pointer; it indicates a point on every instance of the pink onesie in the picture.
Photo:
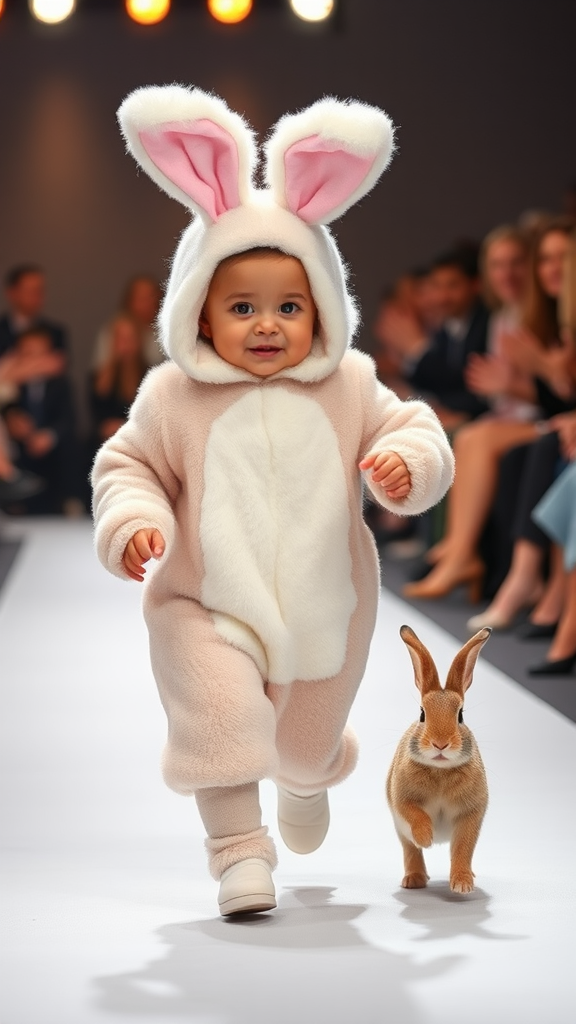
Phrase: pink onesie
(262, 608)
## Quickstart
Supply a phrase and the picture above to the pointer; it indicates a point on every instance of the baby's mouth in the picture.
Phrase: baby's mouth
(265, 350)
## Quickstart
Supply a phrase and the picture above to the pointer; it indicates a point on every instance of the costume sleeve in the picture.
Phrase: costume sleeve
(414, 432)
(134, 486)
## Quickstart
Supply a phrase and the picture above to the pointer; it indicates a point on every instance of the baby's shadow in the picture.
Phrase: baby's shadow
(305, 962)
(305, 919)
(446, 914)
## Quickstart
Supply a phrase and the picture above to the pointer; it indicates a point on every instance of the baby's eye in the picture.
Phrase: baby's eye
(243, 308)
(289, 307)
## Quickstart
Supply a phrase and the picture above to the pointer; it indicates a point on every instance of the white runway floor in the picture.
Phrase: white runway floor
(110, 915)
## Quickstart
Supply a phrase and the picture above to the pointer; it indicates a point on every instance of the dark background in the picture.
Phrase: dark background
(484, 96)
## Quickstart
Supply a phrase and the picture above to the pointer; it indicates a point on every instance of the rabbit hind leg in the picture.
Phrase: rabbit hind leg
(415, 874)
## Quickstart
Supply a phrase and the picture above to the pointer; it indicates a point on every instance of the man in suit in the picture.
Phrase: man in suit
(25, 288)
(435, 366)
(430, 348)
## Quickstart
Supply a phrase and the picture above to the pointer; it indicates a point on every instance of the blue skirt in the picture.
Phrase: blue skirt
(555, 513)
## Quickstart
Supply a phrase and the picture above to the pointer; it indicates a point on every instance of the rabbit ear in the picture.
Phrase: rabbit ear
(323, 160)
(462, 668)
(192, 145)
(425, 672)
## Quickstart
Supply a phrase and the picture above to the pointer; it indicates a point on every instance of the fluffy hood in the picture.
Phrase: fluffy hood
(317, 164)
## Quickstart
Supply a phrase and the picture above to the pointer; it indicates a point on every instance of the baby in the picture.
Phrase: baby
(241, 470)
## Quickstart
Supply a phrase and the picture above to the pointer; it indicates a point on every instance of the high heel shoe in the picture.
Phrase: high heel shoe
(471, 577)
(493, 620)
(560, 667)
(536, 630)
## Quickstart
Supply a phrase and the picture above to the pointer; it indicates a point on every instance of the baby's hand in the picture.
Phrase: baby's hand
(390, 471)
(145, 544)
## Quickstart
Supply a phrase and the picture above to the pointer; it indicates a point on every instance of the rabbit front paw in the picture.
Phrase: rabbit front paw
(414, 880)
(422, 833)
(463, 881)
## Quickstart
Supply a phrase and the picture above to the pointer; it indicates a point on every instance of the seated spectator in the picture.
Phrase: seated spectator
(508, 389)
(40, 422)
(141, 302)
(17, 485)
(25, 288)
(114, 384)
(535, 349)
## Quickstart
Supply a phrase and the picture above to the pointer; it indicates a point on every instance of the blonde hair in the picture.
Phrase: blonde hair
(503, 233)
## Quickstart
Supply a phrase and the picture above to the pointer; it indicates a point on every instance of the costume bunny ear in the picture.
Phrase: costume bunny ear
(461, 669)
(323, 160)
(192, 145)
(425, 671)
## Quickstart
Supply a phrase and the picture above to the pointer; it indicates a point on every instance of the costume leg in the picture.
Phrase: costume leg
(221, 729)
(233, 823)
(315, 746)
(221, 725)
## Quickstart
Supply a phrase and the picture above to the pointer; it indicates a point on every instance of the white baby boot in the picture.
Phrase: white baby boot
(303, 820)
(247, 888)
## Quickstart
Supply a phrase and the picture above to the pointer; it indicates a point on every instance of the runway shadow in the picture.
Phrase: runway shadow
(306, 962)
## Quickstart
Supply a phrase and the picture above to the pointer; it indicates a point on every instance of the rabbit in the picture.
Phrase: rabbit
(436, 786)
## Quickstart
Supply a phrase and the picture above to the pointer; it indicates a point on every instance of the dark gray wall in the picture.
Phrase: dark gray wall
(484, 96)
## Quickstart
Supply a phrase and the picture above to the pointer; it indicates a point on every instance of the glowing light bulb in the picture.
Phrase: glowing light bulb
(312, 10)
(52, 11)
(230, 12)
(147, 12)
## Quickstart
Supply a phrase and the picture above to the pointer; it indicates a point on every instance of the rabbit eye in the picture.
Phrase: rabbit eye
(460, 717)
(422, 715)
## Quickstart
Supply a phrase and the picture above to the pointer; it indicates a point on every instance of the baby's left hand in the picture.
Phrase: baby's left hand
(390, 471)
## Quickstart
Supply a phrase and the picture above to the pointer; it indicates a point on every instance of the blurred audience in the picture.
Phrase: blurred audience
(529, 472)
(540, 361)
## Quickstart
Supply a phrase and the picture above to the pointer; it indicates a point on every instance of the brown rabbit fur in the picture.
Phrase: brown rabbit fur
(436, 785)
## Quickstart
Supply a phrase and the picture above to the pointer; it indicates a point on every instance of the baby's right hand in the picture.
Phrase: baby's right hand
(145, 544)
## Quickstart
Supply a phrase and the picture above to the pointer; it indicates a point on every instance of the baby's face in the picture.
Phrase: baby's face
(259, 313)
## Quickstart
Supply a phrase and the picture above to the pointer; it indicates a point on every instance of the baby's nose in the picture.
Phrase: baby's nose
(266, 325)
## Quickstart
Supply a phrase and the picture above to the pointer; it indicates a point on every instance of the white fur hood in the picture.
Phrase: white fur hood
(317, 164)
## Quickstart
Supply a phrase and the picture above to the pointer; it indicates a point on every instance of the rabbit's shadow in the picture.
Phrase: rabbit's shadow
(446, 915)
(306, 961)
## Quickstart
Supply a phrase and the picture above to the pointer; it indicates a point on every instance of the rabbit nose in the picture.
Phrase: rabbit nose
(438, 747)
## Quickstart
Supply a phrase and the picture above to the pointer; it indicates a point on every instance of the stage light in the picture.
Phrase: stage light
(147, 12)
(230, 12)
(312, 10)
(1, 8)
(52, 11)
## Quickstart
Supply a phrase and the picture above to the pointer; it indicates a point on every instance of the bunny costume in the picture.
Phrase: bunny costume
(262, 608)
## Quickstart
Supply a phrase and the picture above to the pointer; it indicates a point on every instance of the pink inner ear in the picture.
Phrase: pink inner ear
(201, 158)
(320, 176)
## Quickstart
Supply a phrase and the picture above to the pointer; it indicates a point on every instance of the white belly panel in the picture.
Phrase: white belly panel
(274, 532)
